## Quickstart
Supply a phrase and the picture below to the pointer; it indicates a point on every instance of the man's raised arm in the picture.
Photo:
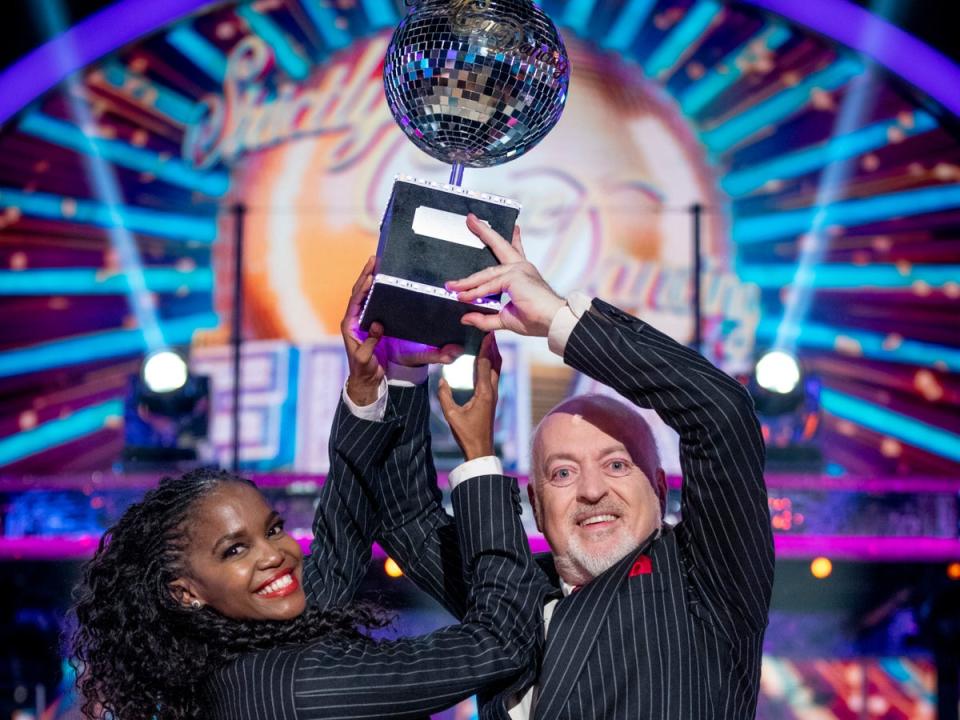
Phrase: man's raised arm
(726, 525)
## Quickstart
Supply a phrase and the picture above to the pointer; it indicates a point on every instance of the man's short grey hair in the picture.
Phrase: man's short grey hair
(616, 418)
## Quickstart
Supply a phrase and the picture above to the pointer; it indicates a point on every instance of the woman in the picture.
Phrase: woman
(197, 604)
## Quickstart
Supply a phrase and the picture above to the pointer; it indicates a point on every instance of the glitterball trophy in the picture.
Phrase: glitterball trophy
(473, 83)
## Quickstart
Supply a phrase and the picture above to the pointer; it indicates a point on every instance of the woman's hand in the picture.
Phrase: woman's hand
(366, 370)
(472, 423)
(368, 357)
(407, 352)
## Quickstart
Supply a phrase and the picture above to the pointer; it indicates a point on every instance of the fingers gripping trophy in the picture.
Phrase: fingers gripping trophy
(473, 83)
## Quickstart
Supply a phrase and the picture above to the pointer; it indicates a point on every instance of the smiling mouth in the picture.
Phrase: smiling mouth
(280, 586)
(597, 520)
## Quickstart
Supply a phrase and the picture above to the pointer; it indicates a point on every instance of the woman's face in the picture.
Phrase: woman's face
(239, 560)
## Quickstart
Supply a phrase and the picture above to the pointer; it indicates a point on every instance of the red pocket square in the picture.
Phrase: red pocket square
(643, 566)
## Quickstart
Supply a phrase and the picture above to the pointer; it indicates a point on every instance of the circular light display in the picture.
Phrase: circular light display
(778, 372)
(164, 371)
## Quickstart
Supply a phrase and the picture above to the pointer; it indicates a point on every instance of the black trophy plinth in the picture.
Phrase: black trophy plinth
(424, 242)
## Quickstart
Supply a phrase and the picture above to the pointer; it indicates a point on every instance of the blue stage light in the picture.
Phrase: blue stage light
(324, 19)
(623, 31)
(99, 346)
(925, 436)
(171, 170)
(199, 51)
(176, 226)
(150, 94)
(876, 346)
(780, 106)
(685, 35)
(380, 13)
(292, 62)
(52, 433)
(790, 223)
(849, 277)
(94, 281)
(102, 32)
(801, 162)
(867, 31)
(576, 15)
(728, 71)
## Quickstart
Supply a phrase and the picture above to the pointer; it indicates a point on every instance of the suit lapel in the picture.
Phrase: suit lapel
(574, 629)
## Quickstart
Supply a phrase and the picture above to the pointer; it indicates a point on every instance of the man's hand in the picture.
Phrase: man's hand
(366, 371)
(472, 423)
(532, 302)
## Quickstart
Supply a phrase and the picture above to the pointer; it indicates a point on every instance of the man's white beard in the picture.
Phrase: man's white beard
(583, 564)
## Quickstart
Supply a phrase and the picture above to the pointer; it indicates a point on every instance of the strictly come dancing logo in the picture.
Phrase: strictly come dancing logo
(606, 195)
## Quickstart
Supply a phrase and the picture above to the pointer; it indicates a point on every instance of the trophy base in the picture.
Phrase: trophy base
(423, 313)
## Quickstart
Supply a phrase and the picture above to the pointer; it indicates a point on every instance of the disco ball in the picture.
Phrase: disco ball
(476, 82)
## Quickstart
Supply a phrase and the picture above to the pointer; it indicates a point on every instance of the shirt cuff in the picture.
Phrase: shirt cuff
(375, 411)
(566, 320)
(487, 465)
(406, 375)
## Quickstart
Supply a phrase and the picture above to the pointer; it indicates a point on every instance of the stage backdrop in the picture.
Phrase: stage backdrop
(607, 201)
(824, 164)
(821, 145)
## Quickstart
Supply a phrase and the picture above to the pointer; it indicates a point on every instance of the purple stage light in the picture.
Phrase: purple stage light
(127, 20)
(898, 51)
(87, 41)
(867, 548)
(797, 547)
(99, 481)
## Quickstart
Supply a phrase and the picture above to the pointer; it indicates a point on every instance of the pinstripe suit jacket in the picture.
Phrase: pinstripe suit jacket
(500, 634)
(672, 631)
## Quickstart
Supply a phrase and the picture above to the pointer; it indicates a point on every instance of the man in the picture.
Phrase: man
(648, 621)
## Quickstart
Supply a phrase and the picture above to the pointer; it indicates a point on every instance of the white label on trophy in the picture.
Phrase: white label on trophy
(429, 290)
(444, 225)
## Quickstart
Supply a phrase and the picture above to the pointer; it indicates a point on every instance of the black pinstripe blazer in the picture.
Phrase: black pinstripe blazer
(500, 634)
(673, 631)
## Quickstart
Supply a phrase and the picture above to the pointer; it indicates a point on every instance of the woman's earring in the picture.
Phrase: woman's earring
(195, 604)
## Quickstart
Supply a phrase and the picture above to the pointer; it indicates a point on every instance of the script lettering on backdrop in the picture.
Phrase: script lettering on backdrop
(582, 230)
(343, 99)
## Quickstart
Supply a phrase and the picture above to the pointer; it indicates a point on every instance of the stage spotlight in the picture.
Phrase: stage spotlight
(166, 414)
(788, 405)
(778, 372)
(778, 385)
(164, 371)
(459, 373)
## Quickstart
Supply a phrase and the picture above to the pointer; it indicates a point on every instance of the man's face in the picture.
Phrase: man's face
(241, 562)
(592, 502)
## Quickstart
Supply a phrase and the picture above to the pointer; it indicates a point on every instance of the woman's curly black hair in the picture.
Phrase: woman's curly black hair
(138, 652)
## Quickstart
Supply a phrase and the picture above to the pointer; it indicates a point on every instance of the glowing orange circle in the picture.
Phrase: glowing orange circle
(391, 568)
(821, 567)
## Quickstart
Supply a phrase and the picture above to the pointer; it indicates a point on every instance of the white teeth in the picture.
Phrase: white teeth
(277, 584)
(598, 519)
